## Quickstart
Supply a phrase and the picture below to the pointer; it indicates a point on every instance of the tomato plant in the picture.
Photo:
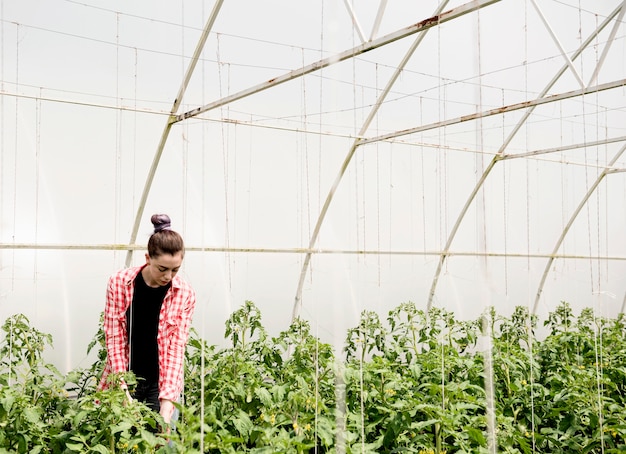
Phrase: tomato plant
(415, 382)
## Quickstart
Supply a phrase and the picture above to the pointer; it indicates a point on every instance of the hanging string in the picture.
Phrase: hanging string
(597, 289)
(305, 233)
(422, 179)
(185, 173)
(15, 150)
(505, 209)
(317, 381)
(586, 160)
(134, 164)
(359, 225)
(598, 344)
(225, 166)
(185, 152)
(529, 326)
(378, 186)
(185, 128)
(564, 180)
(37, 180)
(37, 173)
(441, 233)
(118, 137)
(317, 208)
(203, 242)
(12, 326)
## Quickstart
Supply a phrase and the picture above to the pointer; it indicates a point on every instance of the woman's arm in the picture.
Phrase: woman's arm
(171, 362)
(115, 326)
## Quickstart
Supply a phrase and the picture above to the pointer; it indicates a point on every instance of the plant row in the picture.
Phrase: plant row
(416, 382)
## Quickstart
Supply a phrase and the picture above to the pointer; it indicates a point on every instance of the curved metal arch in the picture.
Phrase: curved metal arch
(500, 152)
(607, 170)
(168, 126)
(297, 305)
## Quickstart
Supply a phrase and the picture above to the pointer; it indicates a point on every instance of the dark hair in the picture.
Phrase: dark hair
(164, 240)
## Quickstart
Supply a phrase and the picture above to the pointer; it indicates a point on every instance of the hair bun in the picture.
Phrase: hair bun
(161, 222)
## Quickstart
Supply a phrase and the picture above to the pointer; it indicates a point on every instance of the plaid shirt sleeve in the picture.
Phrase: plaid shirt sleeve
(118, 297)
(175, 321)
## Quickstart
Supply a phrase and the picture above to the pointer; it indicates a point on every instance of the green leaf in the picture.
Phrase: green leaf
(243, 424)
(419, 425)
(264, 396)
(79, 417)
(477, 436)
(279, 393)
(32, 414)
(149, 437)
(123, 425)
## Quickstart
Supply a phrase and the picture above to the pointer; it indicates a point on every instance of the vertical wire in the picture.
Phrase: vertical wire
(391, 191)
(444, 168)
(306, 179)
(135, 88)
(362, 398)
(358, 232)
(185, 127)
(378, 188)
(505, 211)
(118, 136)
(529, 326)
(203, 242)
(15, 150)
(37, 174)
(11, 329)
(320, 128)
(359, 178)
(586, 159)
(423, 188)
(185, 151)
(249, 186)
(134, 154)
(481, 215)
(225, 170)
(317, 380)
(441, 234)
(564, 181)
(598, 344)
(37, 188)
(589, 234)
(118, 179)
(319, 196)
(305, 202)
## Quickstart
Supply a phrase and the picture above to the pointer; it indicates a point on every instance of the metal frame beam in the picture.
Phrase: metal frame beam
(500, 153)
(166, 130)
(345, 55)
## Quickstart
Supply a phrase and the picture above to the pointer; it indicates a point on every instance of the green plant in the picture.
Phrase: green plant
(418, 383)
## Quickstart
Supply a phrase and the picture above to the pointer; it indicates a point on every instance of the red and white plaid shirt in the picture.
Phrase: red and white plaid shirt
(173, 330)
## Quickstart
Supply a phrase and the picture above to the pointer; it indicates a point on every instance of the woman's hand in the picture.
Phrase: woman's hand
(125, 388)
(167, 410)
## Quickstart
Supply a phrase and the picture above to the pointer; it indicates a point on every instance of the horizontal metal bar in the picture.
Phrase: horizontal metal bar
(345, 55)
(123, 247)
(498, 111)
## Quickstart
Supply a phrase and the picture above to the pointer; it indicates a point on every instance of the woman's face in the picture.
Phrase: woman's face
(160, 270)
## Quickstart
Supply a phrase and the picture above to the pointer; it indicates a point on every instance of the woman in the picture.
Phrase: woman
(147, 317)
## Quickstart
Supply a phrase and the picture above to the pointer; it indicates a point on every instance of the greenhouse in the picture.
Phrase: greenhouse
(404, 224)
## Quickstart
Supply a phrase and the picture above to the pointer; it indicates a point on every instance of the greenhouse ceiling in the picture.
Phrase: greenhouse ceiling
(319, 158)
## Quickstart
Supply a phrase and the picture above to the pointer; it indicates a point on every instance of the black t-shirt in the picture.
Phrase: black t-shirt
(143, 321)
